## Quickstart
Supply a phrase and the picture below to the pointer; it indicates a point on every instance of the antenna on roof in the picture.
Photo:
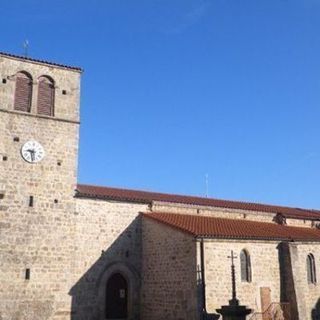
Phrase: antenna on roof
(207, 185)
(26, 47)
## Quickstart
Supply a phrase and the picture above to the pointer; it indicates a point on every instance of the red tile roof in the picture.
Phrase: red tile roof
(221, 228)
(89, 191)
(40, 61)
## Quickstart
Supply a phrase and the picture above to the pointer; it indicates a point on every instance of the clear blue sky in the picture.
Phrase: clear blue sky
(175, 89)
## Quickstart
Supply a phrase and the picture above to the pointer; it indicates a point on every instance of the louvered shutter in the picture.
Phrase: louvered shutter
(23, 93)
(45, 97)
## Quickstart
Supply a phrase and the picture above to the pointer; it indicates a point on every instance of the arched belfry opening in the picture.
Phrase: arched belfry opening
(116, 303)
(23, 92)
(46, 93)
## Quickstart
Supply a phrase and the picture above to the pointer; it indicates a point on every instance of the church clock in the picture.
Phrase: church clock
(32, 151)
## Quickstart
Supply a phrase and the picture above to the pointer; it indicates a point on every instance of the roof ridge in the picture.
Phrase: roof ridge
(10, 55)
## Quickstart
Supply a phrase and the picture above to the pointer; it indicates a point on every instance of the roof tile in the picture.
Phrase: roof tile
(222, 228)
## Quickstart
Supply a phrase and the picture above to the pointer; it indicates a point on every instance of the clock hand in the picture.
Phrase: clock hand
(32, 152)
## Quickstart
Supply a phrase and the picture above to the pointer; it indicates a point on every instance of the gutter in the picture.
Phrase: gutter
(203, 279)
(268, 239)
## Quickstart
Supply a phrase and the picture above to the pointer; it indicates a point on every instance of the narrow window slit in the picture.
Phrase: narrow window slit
(31, 201)
(27, 275)
(311, 269)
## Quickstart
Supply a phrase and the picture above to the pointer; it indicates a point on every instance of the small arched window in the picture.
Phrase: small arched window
(245, 264)
(23, 92)
(311, 269)
(45, 96)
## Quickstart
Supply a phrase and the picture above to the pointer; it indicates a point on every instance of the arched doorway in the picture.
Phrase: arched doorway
(116, 297)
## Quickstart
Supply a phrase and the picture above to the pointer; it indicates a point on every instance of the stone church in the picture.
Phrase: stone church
(70, 251)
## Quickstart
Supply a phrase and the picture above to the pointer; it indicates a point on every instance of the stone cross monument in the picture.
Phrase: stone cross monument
(233, 311)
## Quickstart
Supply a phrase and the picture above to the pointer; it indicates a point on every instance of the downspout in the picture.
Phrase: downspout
(204, 306)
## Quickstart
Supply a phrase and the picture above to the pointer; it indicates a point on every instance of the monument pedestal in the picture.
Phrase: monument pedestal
(233, 311)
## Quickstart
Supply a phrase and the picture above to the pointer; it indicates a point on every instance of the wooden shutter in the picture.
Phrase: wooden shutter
(23, 93)
(45, 96)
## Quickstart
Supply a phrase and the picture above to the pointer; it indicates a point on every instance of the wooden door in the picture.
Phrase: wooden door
(117, 297)
(265, 295)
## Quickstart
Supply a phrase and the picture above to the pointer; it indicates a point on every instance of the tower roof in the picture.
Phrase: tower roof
(44, 62)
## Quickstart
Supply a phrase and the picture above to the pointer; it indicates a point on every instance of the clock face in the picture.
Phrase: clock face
(32, 151)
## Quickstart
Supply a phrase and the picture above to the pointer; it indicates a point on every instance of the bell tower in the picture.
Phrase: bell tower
(39, 124)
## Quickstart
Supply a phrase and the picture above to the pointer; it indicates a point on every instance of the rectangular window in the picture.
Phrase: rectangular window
(31, 201)
(27, 277)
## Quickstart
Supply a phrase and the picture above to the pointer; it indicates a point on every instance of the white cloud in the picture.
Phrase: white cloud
(190, 18)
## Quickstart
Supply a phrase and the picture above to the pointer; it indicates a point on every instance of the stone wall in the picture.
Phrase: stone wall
(308, 294)
(169, 274)
(41, 237)
(213, 211)
(287, 279)
(226, 213)
(108, 240)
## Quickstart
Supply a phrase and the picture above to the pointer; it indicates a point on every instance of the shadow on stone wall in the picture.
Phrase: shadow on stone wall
(123, 256)
(315, 313)
(204, 315)
(211, 316)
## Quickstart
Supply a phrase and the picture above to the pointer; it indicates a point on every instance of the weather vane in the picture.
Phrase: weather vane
(26, 47)
(207, 185)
